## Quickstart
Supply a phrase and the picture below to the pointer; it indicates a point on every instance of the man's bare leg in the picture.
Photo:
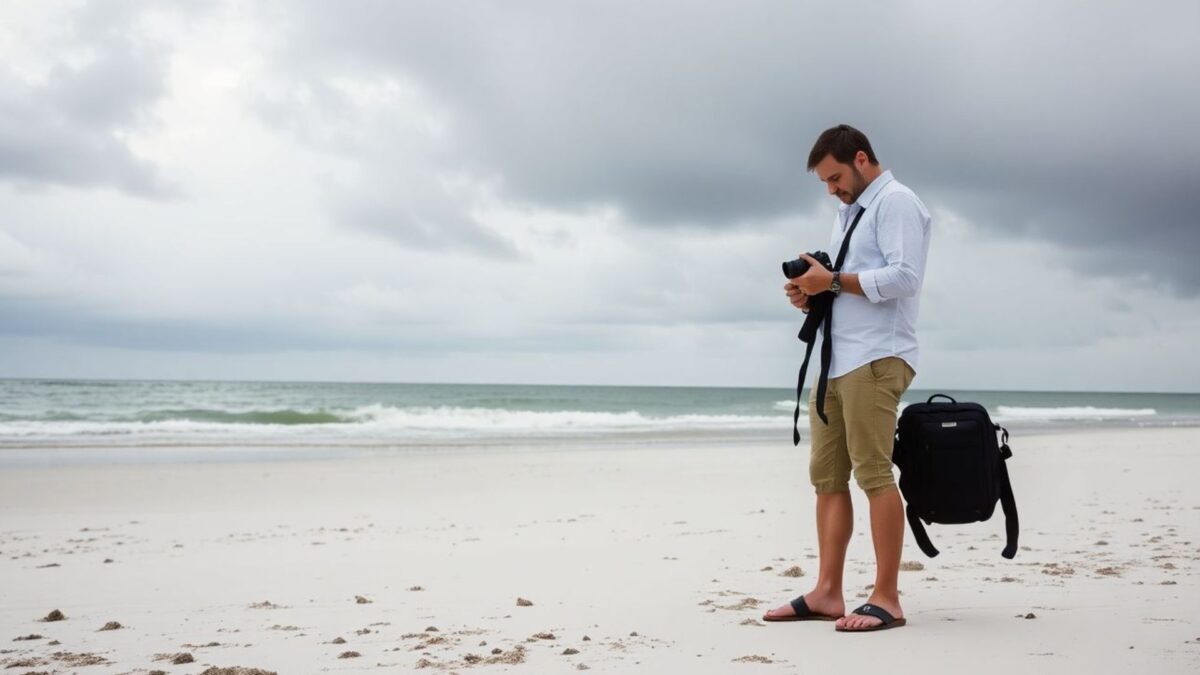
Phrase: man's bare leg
(887, 532)
(835, 523)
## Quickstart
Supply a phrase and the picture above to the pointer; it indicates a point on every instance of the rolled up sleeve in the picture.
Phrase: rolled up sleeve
(902, 232)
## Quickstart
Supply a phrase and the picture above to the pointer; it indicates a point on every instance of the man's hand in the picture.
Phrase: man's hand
(816, 280)
(797, 297)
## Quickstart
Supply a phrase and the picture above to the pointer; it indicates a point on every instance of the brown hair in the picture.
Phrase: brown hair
(843, 142)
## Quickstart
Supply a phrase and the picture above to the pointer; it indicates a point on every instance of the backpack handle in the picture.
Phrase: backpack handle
(943, 396)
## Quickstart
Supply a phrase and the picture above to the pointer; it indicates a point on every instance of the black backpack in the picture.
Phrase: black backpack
(952, 469)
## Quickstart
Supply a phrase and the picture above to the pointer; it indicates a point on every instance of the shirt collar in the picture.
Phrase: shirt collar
(872, 191)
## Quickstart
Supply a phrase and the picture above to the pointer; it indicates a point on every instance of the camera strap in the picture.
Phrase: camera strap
(825, 317)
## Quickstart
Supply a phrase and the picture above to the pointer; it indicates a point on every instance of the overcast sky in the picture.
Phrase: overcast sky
(586, 192)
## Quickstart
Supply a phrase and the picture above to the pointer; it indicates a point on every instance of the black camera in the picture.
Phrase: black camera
(797, 267)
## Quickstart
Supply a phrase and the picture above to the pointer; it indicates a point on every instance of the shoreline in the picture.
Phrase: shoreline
(52, 455)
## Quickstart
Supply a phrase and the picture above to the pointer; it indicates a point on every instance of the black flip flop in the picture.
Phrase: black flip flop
(802, 613)
(878, 612)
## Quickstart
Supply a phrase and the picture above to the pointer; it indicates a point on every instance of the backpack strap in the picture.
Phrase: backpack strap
(827, 340)
(918, 530)
(799, 394)
(826, 343)
(826, 359)
(1007, 501)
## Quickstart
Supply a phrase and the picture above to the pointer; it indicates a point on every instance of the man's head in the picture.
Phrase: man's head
(843, 159)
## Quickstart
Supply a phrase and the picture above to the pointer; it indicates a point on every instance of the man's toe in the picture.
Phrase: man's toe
(779, 612)
(865, 622)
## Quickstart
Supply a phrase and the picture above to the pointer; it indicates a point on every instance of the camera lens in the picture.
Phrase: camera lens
(795, 268)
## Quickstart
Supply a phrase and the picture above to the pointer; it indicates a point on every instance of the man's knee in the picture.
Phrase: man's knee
(875, 480)
(880, 490)
(829, 466)
(829, 487)
(829, 471)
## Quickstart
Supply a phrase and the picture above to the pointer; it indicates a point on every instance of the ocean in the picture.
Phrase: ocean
(103, 420)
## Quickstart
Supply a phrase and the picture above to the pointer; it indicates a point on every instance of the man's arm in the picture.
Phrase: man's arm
(818, 280)
(902, 234)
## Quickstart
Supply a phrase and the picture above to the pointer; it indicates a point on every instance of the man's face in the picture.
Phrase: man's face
(844, 181)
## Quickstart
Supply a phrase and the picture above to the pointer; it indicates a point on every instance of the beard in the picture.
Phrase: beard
(859, 186)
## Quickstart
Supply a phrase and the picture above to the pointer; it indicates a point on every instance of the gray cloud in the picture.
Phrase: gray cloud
(71, 323)
(1065, 122)
(408, 183)
(66, 128)
(592, 180)
(415, 209)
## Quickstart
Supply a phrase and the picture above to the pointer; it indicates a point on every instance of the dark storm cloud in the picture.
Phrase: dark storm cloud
(66, 129)
(1070, 122)
(71, 324)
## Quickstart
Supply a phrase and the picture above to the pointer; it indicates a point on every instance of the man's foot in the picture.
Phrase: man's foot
(822, 605)
(859, 622)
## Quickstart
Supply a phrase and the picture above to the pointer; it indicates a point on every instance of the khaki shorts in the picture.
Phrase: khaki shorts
(861, 406)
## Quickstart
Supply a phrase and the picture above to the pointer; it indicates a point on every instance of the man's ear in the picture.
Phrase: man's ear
(861, 159)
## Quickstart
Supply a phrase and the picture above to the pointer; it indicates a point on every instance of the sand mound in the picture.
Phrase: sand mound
(265, 604)
(753, 658)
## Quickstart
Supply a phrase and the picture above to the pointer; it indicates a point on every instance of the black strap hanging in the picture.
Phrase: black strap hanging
(820, 312)
(1007, 502)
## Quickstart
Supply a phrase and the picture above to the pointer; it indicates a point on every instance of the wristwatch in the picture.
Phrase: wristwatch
(836, 285)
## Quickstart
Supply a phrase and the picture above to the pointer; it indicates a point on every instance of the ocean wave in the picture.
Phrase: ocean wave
(485, 419)
(286, 416)
(375, 422)
(1010, 412)
(790, 406)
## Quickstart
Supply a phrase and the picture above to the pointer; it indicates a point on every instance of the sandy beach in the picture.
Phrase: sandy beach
(644, 559)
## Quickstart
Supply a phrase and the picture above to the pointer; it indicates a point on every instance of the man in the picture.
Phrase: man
(874, 358)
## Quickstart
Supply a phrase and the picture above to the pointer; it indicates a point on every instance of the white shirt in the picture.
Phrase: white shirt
(888, 252)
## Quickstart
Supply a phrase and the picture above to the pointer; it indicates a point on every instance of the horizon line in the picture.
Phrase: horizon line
(547, 384)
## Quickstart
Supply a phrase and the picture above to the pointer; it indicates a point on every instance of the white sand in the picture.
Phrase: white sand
(668, 543)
